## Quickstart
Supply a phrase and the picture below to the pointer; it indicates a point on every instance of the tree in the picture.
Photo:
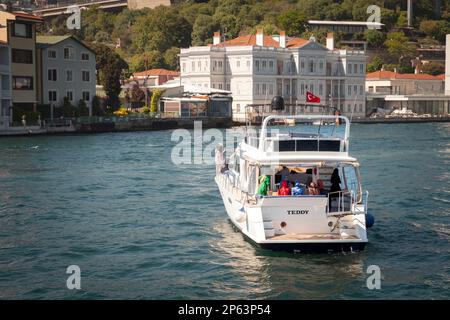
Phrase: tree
(374, 38)
(82, 108)
(398, 46)
(293, 22)
(156, 95)
(137, 96)
(160, 29)
(109, 71)
(171, 58)
(375, 65)
(434, 68)
(229, 24)
(148, 60)
(96, 107)
(203, 30)
(435, 29)
(402, 20)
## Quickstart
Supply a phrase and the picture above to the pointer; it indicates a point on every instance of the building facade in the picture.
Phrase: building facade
(20, 35)
(5, 86)
(255, 68)
(420, 93)
(154, 77)
(66, 69)
(447, 65)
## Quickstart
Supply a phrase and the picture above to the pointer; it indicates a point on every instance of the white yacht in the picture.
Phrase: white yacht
(278, 189)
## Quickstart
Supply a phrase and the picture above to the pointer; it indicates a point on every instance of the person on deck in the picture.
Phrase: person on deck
(334, 190)
(219, 159)
(297, 189)
(320, 186)
(284, 190)
(263, 188)
(313, 189)
(335, 181)
(282, 173)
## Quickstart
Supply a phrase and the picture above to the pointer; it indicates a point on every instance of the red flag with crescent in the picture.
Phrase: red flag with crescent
(310, 97)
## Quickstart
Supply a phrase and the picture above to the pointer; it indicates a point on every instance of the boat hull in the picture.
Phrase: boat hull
(293, 246)
(305, 247)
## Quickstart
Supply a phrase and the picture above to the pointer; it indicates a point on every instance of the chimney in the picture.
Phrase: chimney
(216, 38)
(330, 41)
(283, 39)
(260, 37)
(447, 65)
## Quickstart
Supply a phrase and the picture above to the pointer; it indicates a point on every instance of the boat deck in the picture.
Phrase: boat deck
(314, 236)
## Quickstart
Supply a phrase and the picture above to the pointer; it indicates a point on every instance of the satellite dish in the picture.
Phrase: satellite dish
(277, 103)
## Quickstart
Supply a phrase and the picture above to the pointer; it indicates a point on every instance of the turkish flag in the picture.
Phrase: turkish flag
(312, 98)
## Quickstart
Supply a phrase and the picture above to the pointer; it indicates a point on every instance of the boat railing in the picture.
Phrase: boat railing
(264, 136)
(231, 186)
(345, 203)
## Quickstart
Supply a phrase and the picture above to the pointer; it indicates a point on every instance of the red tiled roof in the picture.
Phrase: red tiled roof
(27, 16)
(268, 41)
(296, 42)
(248, 40)
(157, 72)
(441, 76)
(393, 75)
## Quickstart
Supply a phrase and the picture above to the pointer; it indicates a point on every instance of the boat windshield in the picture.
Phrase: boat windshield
(305, 129)
(312, 179)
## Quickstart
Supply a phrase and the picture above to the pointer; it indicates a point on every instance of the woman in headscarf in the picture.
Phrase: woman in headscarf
(264, 184)
(335, 181)
(335, 187)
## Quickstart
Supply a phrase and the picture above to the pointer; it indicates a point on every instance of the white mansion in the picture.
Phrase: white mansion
(257, 67)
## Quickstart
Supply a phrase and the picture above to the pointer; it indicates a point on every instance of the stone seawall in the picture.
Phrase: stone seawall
(152, 125)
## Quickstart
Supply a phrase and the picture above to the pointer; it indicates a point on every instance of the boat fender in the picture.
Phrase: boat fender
(241, 215)
(370, 220)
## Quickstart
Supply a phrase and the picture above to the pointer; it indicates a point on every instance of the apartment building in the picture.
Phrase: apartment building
(257, 67)
(5, 86)
(18, 30)
(66, 69)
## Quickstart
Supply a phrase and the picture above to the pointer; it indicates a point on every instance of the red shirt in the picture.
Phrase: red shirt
(284, 190)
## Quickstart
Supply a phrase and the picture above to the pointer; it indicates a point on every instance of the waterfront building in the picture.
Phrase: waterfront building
(257, 67)
(19, 32)
(66, 68)
(197, 106)
(421, 93)
(447, 65)
(154, 77)
(5, 86)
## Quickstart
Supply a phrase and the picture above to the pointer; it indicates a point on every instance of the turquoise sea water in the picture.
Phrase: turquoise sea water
(140, 227)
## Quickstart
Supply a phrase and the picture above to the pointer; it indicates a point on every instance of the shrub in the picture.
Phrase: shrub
(156, 95)
(122, 112)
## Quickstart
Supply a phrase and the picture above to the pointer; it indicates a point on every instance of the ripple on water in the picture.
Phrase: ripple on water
(141, 228)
